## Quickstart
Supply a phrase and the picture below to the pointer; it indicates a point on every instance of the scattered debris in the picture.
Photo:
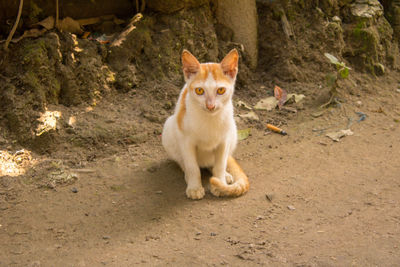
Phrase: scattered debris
(47, 122)
(267, 104)
(279, 99)
(70, 25)
(290, 207)
(243, 134)
(252, 116)
(276, 129)
(289, 109)
(335, 136)
(47, 23)
(287, 27)
(130, 27)
(270, 196)
(362, 116)
(72, 121)
(61, 177)
(83, 170)
(281, 95)
(296, 98)
(99, 37)
(15, 164)
(318, 113)
(380, 110)
(241, 104)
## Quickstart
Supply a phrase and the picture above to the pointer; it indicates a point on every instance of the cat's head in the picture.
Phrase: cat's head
(210, 85)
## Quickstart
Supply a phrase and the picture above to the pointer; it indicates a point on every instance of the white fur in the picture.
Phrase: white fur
(207, 137)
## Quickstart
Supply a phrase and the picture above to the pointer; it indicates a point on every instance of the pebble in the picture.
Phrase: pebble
(290, 207)
(358, 103)
(213, 234)
(74, 190)
(270, 196)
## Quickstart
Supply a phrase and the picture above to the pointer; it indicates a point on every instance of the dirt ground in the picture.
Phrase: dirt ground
(312, 201)
(97, 189)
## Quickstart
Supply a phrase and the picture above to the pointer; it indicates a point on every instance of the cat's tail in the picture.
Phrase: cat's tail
(238, 187)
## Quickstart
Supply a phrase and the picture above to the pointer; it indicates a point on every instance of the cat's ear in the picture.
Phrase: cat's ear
(190, 64)
(229, 64)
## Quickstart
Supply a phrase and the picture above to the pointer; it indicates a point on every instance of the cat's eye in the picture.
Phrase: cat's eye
(221, 90)
(199, 90)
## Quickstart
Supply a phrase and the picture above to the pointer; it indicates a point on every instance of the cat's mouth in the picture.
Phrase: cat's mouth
(212, 111)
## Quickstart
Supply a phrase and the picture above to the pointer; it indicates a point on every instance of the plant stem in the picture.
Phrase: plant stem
(14, 28)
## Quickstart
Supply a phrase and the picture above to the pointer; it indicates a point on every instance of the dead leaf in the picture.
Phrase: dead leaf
(243, 105)
(70, 25)
(252, 116)
(335, 136)
(281, 95)
(243, 134)
(47, 23)
(295, 97)
(268, 103)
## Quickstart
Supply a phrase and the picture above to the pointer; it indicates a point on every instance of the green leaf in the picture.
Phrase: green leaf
(331, 79)
(332, 58)
(344, 72)
(243, 134)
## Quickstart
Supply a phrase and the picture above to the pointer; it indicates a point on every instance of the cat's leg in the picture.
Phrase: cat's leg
(228, 178)
(221, 159)
(194, 189)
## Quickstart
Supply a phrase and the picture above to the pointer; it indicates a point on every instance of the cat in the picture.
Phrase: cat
(202, 131)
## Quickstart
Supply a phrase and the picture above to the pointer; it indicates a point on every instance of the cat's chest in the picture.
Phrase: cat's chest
(208, 133)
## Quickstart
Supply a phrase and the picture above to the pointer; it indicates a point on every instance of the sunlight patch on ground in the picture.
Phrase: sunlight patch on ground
(47, 121)
(15, 164)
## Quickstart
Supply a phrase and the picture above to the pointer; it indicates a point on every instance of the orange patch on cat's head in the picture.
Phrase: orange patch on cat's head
(206, 69)
(226, 70)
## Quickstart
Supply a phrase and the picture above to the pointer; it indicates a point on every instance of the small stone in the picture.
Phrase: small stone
(290, 207)
(398, 90)
(379, 69)
(358, 103)
(213, 234)
(336, 19)
(152, 169)
(270, 196)
(74, 190)
(106, 237)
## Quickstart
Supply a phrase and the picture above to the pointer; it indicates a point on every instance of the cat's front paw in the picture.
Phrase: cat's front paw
(195, 193)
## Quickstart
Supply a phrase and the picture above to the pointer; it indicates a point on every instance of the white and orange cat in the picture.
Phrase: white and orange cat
(202, 131)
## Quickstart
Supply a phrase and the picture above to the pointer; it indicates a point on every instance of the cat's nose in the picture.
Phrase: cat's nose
(210, 107)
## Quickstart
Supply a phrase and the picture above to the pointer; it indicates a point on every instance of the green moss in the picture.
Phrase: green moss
(35, 53)
(34, 12)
